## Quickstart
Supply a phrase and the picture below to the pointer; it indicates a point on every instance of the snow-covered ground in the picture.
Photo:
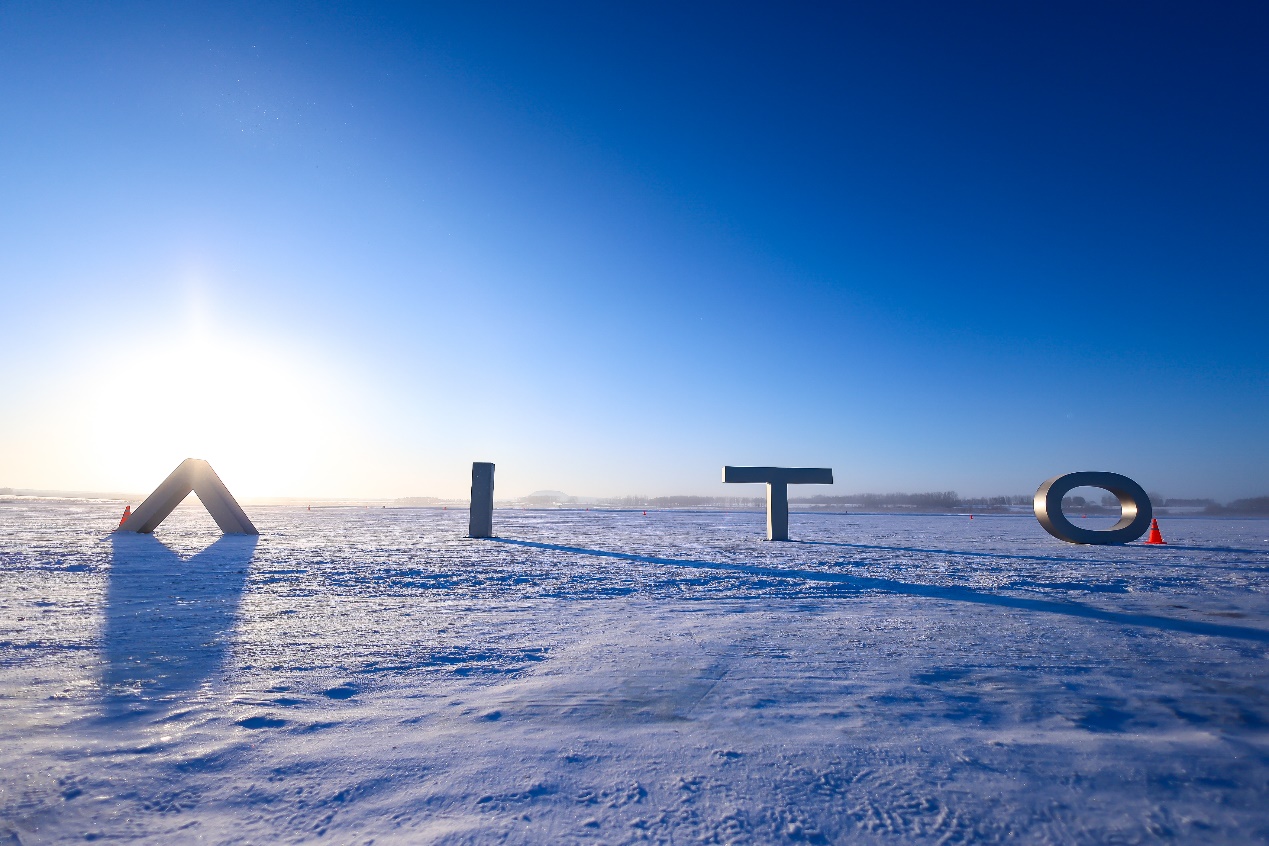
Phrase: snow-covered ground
(367, 675)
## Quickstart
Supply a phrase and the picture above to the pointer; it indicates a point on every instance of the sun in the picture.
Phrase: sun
(262, 415)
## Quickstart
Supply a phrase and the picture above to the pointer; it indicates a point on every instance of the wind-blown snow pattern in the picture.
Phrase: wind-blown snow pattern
(370, 676)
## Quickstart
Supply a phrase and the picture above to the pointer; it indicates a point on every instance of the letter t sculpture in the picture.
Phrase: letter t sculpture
(778, 480)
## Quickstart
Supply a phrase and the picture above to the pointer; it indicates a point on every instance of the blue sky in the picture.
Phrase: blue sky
(934, 246)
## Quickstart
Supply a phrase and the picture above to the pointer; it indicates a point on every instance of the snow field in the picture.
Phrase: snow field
(368, 675)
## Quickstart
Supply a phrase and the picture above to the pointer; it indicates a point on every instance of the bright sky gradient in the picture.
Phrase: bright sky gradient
(931, 245)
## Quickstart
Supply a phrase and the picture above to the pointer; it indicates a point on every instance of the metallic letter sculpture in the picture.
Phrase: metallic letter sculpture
(1134, 505)
(480, 524)
(193, 474)
(778, 480)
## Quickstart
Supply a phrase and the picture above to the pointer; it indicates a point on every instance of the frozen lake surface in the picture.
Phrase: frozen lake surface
(367, 675)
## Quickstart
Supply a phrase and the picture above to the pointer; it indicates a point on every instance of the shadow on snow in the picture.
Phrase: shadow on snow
(952, 594)
(168, 619)
(1020, 557)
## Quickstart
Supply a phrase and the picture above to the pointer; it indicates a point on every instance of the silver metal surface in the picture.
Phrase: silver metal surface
(778, 480)
(1134, 504)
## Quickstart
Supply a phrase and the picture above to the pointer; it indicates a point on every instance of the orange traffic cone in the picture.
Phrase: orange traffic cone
(127, 512)
(1155, 537)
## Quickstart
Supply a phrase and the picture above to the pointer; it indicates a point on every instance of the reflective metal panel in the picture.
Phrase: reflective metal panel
(1135, 511)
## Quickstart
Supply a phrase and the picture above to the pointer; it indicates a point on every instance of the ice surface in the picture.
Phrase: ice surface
(367, 675)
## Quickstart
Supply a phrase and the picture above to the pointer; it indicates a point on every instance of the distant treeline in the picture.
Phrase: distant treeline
(1252, 506)
(937, 501)
(950, 501)
(929, 501)
(686, 502)
(56, 494)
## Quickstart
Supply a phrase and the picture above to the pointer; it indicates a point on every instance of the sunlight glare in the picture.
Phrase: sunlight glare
(260, 415)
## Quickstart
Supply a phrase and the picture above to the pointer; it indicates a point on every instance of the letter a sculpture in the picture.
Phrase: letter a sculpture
(195, 475)
(778, 480)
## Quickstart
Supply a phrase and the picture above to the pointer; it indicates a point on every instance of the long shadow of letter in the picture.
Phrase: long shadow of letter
(168, 620)
(953, 594)
(1018, 557)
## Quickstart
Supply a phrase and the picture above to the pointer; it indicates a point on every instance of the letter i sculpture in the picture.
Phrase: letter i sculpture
(480, 524)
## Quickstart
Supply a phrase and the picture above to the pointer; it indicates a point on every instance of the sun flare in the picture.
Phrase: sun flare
(260, 414)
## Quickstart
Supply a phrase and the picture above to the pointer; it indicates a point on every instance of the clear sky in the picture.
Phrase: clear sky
(934, 246)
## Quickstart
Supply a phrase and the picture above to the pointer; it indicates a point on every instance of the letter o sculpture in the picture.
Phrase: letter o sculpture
(1134, 504)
